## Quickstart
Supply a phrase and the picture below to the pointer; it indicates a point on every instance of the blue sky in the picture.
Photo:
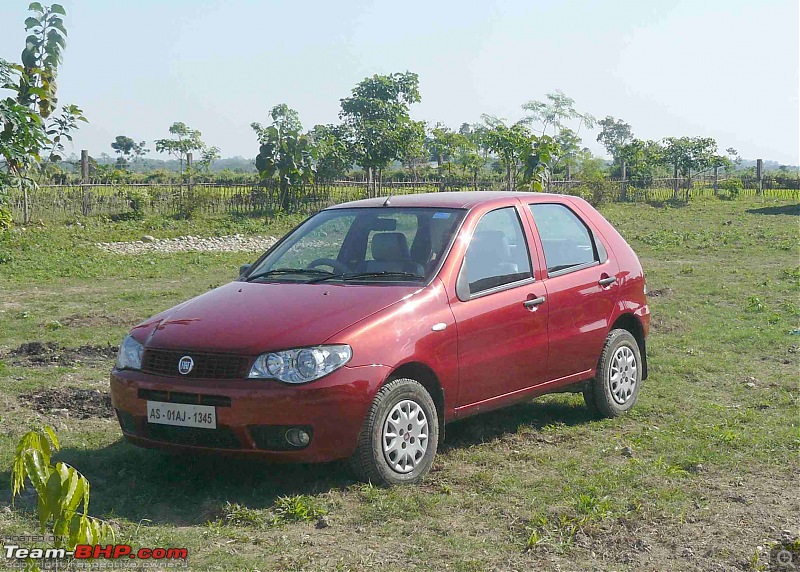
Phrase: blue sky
(727, 69)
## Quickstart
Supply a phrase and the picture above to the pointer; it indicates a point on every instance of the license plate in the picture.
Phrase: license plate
(182, 414)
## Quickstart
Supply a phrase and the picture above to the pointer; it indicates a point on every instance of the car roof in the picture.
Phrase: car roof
(455, 199)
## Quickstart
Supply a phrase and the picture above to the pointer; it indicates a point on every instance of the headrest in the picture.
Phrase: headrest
(490, 243)
(389, 246)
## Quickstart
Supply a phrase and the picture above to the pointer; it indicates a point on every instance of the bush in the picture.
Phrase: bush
(138, 199)
(731, 188)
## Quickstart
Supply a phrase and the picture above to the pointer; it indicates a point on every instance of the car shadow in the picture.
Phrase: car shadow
(782, 210)
(533, 415)
(163, 488)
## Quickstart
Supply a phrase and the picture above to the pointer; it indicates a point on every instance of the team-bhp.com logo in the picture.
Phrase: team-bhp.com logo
(87, 551)
(185, 365)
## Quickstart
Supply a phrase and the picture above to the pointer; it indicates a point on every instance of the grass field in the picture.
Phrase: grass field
(700, 475)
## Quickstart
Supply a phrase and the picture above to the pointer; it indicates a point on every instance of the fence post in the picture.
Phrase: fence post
(26, 204)
(716, 180)
(85, 205)
(624, 190)
(189, 181)
(760, 176)
(675, 183)
(569, 173)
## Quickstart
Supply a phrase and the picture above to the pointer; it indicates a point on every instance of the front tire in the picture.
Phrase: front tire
(616, 385)
(400, 436)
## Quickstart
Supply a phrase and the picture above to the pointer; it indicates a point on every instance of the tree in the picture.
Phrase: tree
(509, 143)
(442, 145)
(27, 135)
(333, 158)
(378, 121)
(207, 157)
(468, 154)
(642, 158)
(128, 149)
(734, 159)
(537, 157)
(557, 113)
(186, 140)
(284, 151)
(614, 133)
(414, 154)
(687, 154)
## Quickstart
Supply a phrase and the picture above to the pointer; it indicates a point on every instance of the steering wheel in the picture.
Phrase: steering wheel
(338, 267)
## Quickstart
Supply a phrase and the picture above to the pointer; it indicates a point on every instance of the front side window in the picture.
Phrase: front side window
(497, 253)
(566, 240)
(382, 244)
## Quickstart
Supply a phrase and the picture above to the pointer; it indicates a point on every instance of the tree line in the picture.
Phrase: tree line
(375, 132)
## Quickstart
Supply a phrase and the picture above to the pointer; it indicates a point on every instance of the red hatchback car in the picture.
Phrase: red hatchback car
(361, 333)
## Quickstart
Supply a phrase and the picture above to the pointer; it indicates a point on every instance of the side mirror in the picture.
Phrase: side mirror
(244, 269)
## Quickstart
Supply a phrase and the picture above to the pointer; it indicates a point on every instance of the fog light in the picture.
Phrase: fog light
(297, 437)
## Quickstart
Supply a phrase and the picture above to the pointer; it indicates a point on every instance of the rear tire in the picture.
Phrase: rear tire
(616, 385)
(400, 436)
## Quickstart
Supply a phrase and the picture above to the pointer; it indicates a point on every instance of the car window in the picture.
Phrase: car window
(497, 253)
(566, 240)
(325, 241)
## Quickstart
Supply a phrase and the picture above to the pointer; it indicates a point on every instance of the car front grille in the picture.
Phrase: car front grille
(191, 398)
(206, 366)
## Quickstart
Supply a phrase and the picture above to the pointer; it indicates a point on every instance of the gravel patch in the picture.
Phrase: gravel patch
(232, 243)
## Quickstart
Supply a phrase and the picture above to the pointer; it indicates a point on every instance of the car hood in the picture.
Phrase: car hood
(252, 318)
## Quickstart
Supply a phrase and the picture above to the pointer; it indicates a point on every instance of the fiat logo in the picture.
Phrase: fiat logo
(185, 365)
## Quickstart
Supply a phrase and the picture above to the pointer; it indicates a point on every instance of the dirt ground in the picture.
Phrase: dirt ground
(70, 402)
(40, 354)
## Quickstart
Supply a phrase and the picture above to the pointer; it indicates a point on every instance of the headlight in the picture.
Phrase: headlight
(130, 354)
(301, 365)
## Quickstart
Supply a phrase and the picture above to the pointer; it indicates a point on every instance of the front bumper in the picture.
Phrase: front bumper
(252, 415)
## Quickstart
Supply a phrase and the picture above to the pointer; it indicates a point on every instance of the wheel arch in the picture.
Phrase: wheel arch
(628, 321)
(429, 380)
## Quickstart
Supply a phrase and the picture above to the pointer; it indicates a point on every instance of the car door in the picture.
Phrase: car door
(581, 288)
(499, 311)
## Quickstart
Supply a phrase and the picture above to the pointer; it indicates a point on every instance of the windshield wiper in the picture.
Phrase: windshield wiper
(360, 275)
(281, 271)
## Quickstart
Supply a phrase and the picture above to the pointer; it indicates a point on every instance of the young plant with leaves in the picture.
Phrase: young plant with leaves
(63, 493)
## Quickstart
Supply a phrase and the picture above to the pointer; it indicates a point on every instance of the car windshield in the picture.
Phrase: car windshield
(375, 245)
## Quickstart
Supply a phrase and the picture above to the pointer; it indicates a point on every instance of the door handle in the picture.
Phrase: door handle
(607, 281)
(530, 304)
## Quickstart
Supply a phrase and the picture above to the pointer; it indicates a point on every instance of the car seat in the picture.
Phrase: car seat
(390, 253)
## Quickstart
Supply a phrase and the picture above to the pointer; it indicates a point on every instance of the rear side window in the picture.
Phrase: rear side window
(566, 240)
(498, 253)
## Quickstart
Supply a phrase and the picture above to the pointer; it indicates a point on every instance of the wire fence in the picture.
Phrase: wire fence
(124, 200)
